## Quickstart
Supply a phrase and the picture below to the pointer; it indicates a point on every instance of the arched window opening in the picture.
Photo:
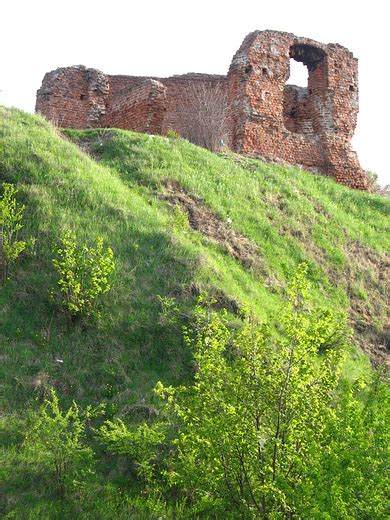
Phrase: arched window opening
(299, 88)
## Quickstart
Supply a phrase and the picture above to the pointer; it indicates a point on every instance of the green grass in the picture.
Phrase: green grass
(289, 215)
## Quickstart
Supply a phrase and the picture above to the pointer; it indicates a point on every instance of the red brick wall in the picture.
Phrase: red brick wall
(180, 104)
(310, 126)
(141, 108)
(74, 97)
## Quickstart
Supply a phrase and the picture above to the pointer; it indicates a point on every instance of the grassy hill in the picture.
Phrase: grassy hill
(181, 221)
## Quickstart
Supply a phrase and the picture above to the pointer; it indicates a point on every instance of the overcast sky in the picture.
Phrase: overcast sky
(165, 37)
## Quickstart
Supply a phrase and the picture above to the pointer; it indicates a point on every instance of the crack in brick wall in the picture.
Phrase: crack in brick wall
(311, 126)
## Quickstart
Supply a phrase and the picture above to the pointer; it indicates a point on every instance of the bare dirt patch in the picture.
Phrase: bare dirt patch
(365, 277)
(367, 280)
(202, 219)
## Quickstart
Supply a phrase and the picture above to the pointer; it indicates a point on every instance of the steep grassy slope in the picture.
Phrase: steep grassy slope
(253, 224)
(180, 221)
(269, 218)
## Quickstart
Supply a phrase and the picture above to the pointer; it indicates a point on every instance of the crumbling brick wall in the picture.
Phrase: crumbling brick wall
(74, 97)
(180, 102)
(312, 126)
(141, 108)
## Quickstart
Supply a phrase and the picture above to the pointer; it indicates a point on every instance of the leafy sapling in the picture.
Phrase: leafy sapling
(11, 215)
(56, 443)
(252, 424)
(83, 274)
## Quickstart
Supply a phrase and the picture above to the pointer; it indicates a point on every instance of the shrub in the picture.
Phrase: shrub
(172, 134)
(83, 274)
(253, 422)
(267, 429)
(208, 110)
(11, 214)
(350, 478)
(55, 445)
(138, 443)
(374, 186)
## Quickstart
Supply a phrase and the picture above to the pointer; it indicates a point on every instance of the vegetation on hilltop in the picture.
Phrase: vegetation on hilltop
(185, 227)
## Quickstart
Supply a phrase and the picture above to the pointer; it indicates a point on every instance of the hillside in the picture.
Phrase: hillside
(181, 221)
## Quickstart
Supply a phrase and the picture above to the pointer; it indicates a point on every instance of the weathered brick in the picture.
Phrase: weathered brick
(312, 126)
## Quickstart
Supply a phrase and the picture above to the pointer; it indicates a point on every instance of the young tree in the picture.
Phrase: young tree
(11, 215)
(267, 429)
(351, 478)
(83, 274)
(55, 445)
(208, 110)
(253, 422)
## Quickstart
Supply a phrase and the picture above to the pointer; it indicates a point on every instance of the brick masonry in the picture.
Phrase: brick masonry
(311, 127)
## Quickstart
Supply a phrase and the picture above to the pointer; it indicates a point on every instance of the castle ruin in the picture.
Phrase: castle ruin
(311, 127)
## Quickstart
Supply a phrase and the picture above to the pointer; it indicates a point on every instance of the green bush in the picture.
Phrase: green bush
(267, 428)
(139, 444)
(173, 134)
(11, 215)
(253, 422)
(83, 274)
(56, 448)
(350, 478)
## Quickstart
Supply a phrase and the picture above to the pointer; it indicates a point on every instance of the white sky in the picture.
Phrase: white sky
(165, 37)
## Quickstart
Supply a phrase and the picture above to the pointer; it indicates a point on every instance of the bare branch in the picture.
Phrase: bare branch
(207, 106)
